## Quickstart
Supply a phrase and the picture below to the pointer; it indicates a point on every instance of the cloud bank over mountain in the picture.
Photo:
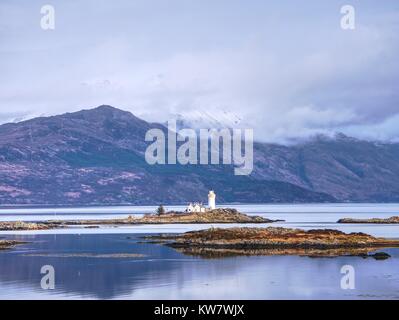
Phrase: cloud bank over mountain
(290, 72)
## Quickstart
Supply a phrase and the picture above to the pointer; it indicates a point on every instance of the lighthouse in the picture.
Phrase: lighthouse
(212, 200)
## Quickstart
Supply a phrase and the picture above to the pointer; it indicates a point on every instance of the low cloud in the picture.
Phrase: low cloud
(288, 80)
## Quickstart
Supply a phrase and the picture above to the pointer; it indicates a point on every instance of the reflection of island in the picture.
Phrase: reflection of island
(275, 241)
(391, 220)
(212, 253)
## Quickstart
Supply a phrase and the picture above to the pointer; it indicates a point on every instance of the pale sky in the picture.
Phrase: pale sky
(285, 67)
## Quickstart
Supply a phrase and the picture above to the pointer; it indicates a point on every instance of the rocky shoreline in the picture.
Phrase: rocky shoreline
(216, 216)
(274, 241)
(213, 216)
(26, 226)
(391, 220)
(7, 244)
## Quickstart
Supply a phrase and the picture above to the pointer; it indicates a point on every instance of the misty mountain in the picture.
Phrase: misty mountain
(97, 157)
(348, 169)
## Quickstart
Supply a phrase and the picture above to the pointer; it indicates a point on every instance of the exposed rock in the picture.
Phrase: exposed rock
(7, 244)
(20, 226)
(275, 241)
(214, 216)
(391, 220)
(379, 256)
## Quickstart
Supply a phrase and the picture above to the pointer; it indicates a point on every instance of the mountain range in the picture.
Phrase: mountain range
(96, 157)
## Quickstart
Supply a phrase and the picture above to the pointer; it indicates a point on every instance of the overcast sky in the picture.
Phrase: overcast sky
(285, 67)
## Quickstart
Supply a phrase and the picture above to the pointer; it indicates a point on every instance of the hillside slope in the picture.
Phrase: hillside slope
(97, 157)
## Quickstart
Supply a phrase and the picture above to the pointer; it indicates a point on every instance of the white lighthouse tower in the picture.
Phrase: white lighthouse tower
(212, 200)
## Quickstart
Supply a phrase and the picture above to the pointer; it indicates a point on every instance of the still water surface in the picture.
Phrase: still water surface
(162, 273)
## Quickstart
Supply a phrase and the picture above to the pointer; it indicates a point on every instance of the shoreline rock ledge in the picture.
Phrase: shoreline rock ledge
(218, 242)
(391, 220)
(25, 226)
(212, 216)
(216, 216)
(7, 244)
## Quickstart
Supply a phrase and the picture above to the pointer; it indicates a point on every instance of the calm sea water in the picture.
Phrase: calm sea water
(163, 273)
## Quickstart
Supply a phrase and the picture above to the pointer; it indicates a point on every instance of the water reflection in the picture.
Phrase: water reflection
(165, 273)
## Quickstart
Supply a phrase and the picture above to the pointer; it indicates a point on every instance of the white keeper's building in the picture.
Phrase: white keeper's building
(199, 207)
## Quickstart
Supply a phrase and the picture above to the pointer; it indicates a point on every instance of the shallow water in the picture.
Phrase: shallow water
(164, 273)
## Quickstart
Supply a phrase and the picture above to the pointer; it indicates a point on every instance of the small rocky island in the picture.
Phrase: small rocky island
(195, 213)
(391, 220)
(276, 241)
(7, 244)
(216, 216)
(25, 226)
(212, 216)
